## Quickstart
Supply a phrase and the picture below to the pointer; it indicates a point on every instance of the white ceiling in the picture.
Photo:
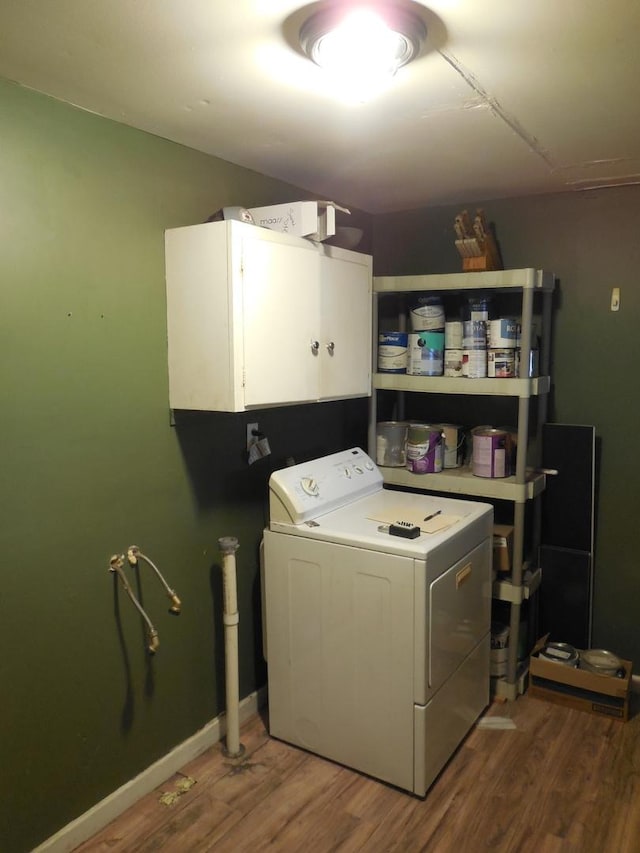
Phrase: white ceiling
(510, 97)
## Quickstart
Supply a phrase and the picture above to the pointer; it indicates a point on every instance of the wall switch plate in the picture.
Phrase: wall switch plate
(615, 299)
(252, 435)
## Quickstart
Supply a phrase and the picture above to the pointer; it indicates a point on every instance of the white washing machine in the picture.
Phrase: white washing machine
(377, 644)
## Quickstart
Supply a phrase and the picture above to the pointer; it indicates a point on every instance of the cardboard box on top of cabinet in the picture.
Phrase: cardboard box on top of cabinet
(313, 219)
(502, 547)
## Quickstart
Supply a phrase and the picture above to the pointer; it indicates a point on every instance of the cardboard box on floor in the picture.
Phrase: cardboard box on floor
(605, 695)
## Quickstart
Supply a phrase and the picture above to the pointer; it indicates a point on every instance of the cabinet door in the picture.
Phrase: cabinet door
(281, 320)
(345, 348)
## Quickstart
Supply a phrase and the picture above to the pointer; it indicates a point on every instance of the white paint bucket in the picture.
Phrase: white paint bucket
(425, 449)
(474, 334)
(478, 307)
(391, 439)
(474, 363)
(427, 313)
(453, 445)
(490, 452)
(499, 635)
(453, 331)
(498, 662)
(453, 362)
(426, 353)
(392, 352)
(502, 333)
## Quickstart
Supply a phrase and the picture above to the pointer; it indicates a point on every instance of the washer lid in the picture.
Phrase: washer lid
(363, 523)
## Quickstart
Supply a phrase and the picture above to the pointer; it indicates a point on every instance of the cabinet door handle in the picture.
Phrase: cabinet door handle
(330, 347)
(315, 346)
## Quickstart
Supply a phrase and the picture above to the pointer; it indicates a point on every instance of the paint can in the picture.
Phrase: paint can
(498, 659)
(600, 661)
(392, 352)
(453, 333)
(562, 653)
(490, 457)
(512, 434)
(426, 340)
(425, 449)
(478, 306)
(474, 363)
(501, 363)
(425, 356)
(391, 439)
(474, 335)
(453, 362)
(535, 337)
(453, 445)
(499, 635)
(503, 333)
(426, 362)
(534, 363)
(427, 313)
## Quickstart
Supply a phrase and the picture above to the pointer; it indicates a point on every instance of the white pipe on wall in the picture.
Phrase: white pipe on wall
(228, 546)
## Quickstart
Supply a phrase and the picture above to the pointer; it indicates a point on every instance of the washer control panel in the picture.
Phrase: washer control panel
(302, 492)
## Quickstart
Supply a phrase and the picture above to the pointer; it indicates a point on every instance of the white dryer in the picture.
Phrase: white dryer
(377, 644)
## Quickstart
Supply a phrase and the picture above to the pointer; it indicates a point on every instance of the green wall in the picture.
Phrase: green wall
(589, 240)
(92, 465)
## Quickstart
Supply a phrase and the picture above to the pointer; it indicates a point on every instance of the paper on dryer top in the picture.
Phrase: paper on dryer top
(415, 516)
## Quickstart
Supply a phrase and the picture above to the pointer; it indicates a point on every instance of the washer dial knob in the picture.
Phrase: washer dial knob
(310, 486)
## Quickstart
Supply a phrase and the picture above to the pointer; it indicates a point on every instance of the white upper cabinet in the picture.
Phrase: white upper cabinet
(257, 318)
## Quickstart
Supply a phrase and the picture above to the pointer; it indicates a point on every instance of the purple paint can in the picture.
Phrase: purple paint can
(491, 452)
(425, 449)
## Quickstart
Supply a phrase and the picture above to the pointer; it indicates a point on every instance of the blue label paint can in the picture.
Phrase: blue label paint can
(392, 352)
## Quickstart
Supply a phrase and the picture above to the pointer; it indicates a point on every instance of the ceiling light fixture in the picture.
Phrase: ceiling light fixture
(363, 44)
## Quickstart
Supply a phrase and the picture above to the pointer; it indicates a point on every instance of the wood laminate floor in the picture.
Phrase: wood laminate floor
(561, 781)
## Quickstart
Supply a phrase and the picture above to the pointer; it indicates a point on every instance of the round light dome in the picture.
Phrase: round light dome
(365, 39)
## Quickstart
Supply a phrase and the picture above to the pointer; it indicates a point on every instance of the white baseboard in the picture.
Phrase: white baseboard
(97, 817)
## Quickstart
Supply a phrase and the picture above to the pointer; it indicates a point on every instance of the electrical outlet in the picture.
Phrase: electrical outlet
(252, 437)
